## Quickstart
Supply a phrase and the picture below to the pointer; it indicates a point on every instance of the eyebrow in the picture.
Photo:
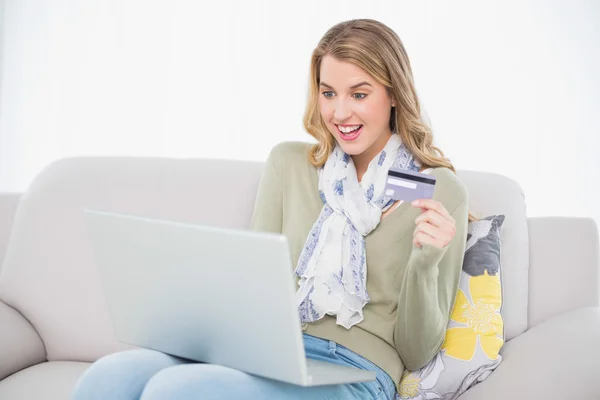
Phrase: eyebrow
(351, 87)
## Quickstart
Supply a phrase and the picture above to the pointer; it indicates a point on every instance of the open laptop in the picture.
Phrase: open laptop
(207, 294)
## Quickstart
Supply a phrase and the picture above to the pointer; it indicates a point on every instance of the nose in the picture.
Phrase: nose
(342, 111)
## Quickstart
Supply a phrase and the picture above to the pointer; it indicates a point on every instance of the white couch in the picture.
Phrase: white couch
(54, 320)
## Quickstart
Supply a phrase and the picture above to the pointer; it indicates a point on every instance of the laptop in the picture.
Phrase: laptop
(207, 294)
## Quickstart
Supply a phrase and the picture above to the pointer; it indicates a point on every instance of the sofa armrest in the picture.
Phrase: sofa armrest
(563, 266)
(8, 208)
(557, 359)
(20, 344)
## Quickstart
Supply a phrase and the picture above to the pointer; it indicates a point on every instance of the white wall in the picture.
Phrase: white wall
(510, 87)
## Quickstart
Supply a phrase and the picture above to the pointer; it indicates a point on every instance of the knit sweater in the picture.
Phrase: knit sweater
(411, 289)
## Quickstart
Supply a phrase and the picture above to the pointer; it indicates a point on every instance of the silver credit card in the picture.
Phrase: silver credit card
(406, 185)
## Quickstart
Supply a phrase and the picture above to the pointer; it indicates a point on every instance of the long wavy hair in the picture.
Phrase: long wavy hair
(377, 49)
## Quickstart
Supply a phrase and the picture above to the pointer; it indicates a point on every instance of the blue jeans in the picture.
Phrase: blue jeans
(151, 375)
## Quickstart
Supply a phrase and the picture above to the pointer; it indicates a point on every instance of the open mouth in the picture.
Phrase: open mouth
(348, 132)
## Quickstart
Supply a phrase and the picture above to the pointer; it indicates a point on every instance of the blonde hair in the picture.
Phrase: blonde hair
(378, 50)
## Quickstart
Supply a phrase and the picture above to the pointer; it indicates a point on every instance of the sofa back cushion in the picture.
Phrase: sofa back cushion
(49, 274)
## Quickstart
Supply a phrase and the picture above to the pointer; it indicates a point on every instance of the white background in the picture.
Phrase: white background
(510, 87)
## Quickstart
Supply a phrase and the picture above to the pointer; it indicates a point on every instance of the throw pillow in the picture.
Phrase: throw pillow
(475, 331)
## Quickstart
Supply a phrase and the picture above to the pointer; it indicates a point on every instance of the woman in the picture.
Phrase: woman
(329, 200)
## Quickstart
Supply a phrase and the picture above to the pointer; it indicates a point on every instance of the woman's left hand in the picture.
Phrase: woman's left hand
(435, 226)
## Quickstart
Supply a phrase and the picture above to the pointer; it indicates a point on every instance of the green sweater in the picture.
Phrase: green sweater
(412, 290)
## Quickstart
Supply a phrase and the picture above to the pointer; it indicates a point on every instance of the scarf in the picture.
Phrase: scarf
(332, 265)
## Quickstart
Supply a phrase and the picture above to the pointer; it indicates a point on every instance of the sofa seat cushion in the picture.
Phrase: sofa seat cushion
(558, 359)
(50, 381)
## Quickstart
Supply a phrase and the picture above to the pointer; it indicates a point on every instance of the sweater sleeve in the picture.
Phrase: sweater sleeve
(268, 206)
(427, 295)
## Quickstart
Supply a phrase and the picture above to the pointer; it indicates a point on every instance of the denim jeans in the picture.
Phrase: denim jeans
(151, 375)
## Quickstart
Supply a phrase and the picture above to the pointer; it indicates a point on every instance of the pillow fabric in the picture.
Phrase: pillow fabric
(475, 332)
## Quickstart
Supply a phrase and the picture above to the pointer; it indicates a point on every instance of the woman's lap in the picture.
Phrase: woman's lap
(332, 352)
(122, 376)
(214, 382)
(154, 375)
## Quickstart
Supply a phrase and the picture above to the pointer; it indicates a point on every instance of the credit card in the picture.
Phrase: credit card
(406, 185)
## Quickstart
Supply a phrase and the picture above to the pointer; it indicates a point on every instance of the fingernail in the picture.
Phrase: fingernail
(415, 202)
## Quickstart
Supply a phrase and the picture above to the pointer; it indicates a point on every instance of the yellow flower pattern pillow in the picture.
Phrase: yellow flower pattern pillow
(475, 331)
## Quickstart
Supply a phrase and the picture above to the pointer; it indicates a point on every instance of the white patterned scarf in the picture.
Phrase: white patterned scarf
(332, 266)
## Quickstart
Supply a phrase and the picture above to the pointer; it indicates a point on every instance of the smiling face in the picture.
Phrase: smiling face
(355, 108)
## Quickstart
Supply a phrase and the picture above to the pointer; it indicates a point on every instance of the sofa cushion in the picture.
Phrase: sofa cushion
(492, 194)
(49, 274)
(48, 381)
(558, 359)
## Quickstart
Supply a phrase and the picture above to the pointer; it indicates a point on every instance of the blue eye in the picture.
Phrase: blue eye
(359, 94)
(327, 94)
